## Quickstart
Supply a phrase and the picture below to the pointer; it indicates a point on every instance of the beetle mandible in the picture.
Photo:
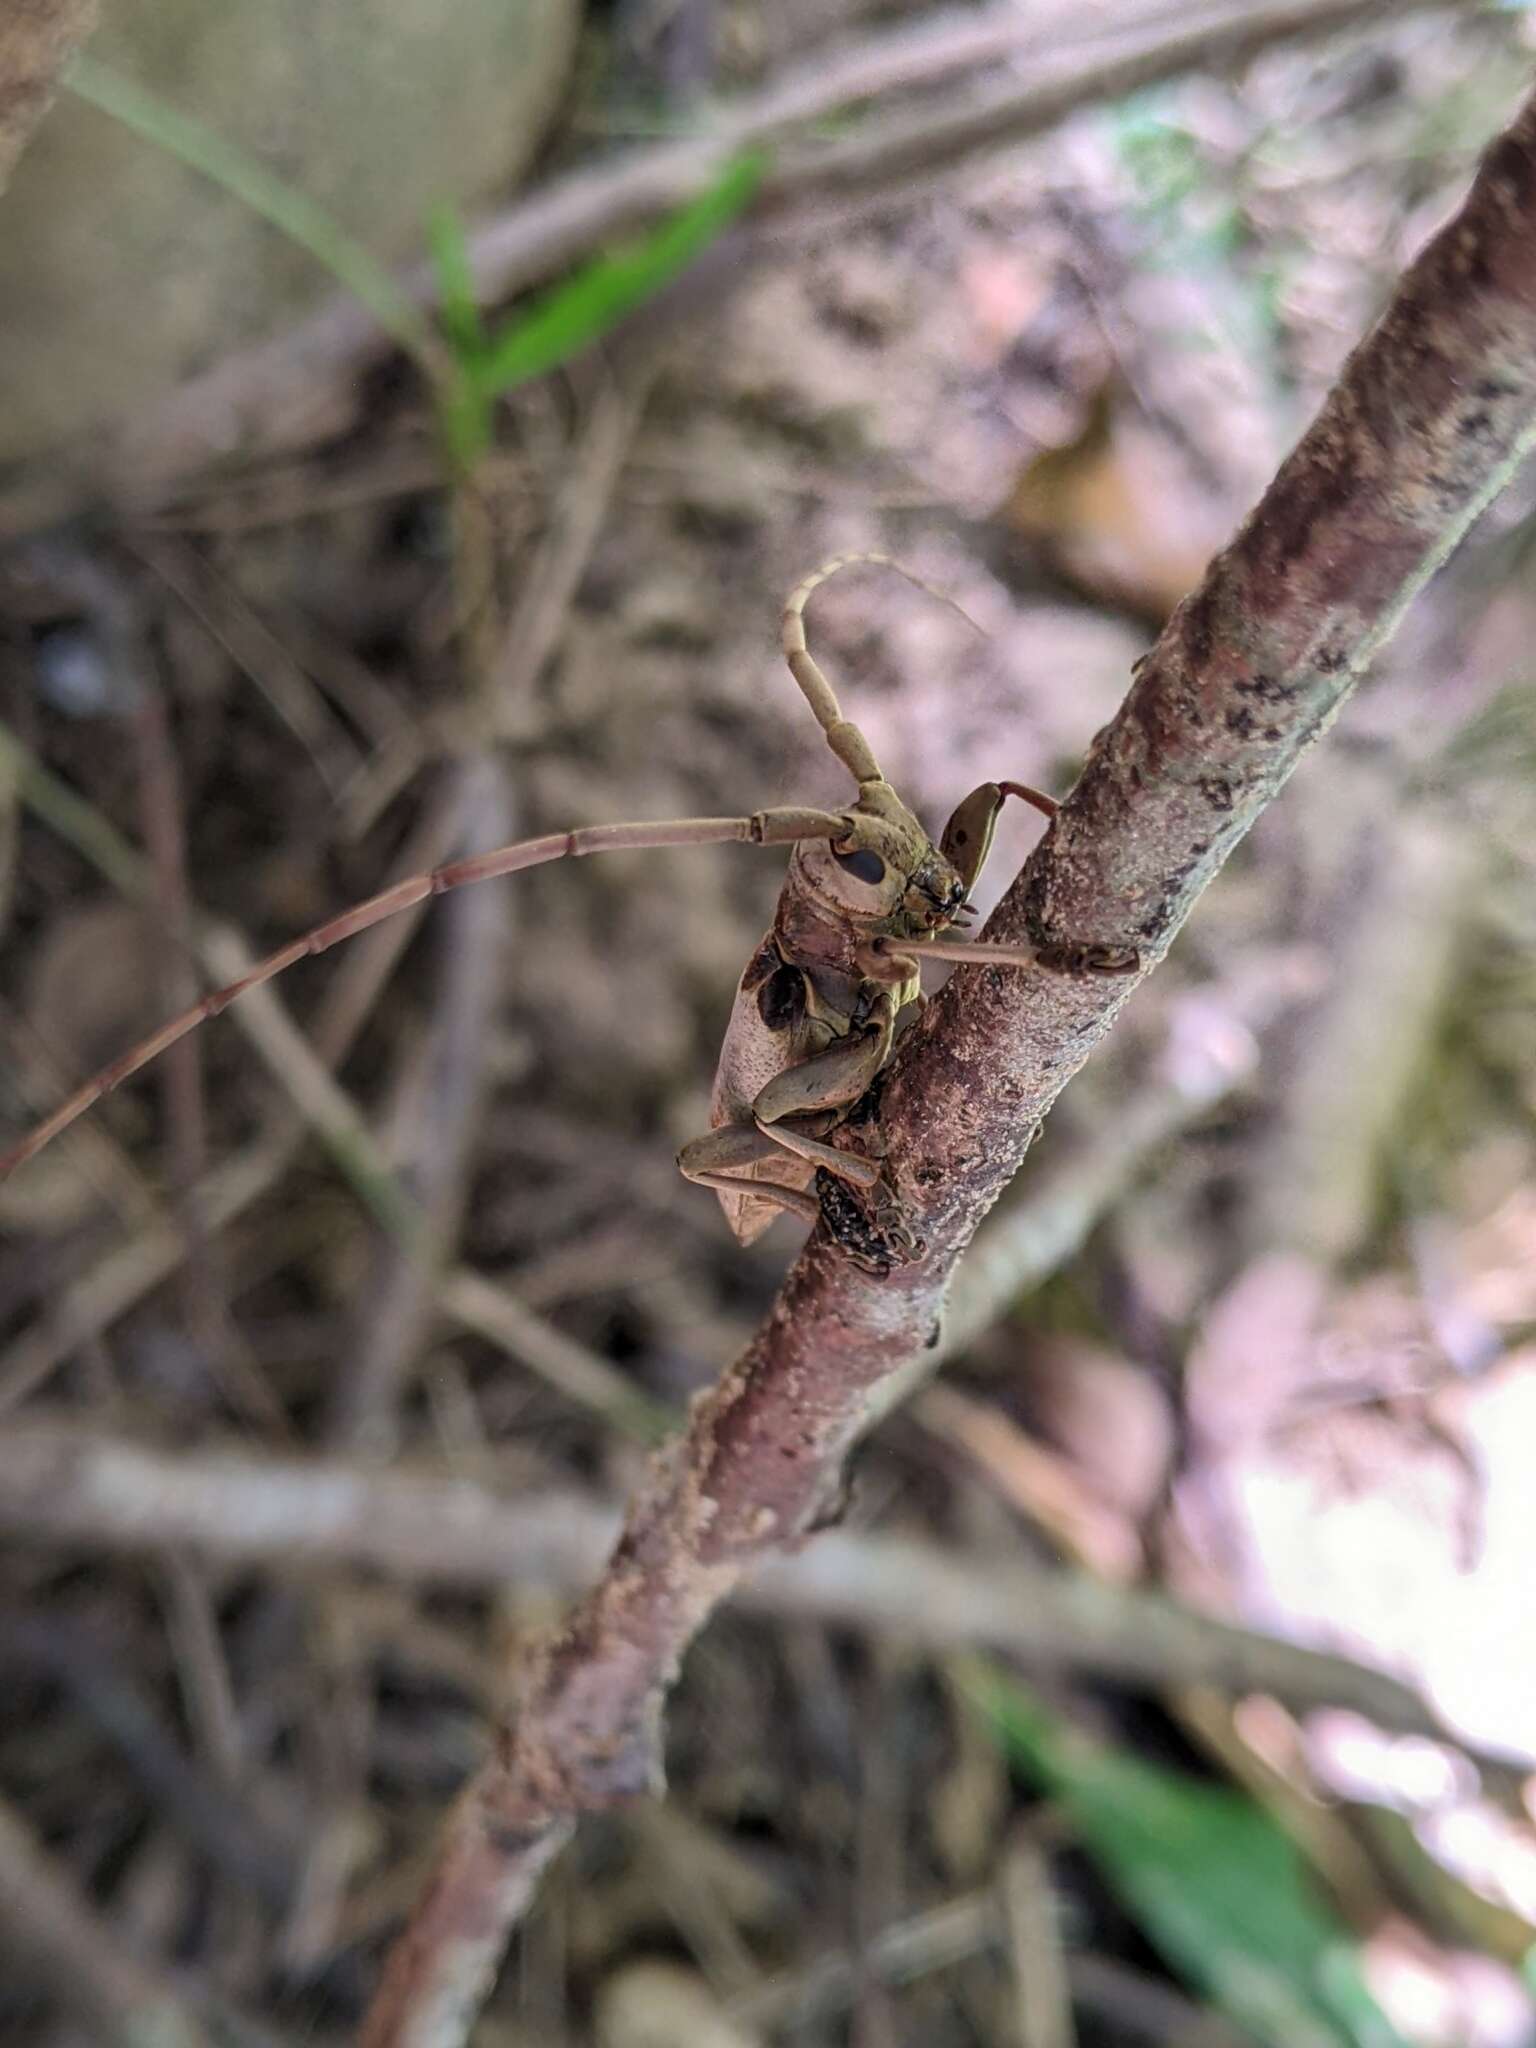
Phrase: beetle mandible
(867, 895)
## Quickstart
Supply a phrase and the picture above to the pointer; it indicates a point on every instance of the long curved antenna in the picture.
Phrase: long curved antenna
(776, 827)
(843, 737)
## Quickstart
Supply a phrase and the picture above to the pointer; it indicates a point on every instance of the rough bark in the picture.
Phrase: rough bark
(37, 39)
(1427, 420)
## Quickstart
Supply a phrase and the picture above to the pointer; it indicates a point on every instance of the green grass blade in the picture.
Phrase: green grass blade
(455, 282)
(464, 407)
(1209, 1877)
(292, 212)
(573, 315)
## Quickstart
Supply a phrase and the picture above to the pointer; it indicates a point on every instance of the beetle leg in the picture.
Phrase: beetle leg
(794, 1200)
(834, 1079)
(863, 1173)
(887, 961)
(967, 838)
(709, 1161)
(971, 952)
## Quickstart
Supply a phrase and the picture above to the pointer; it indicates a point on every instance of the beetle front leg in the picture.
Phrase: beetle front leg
(967, 837)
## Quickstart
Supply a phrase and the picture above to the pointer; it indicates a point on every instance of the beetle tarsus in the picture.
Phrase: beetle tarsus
(878, 1238)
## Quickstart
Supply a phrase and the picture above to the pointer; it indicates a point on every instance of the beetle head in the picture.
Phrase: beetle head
(885, 874)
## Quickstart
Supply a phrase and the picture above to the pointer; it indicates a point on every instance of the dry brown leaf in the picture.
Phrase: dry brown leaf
(1107, 1416)
(1118, 510)
(1039, 1483)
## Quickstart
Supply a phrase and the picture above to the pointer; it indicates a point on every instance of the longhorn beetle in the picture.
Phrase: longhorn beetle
(867, 896)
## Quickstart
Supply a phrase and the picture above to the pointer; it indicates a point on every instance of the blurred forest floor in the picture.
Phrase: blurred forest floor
(1265, 1339)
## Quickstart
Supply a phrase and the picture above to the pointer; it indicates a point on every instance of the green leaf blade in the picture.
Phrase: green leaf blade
(455, 282)
(574, 315)
(1210, 1878)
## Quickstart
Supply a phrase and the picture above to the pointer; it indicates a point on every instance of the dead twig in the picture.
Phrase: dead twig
(216, 1818)
(53, 1935)
(443, 1123)
(502, 664)
(238, 629)
(1427, 421)
(62, 1482)
(1137, 2006)
(1343, 1082)
(1041, 1992)
(224, 954)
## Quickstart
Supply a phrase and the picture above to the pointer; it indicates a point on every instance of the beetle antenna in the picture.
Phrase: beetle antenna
(843, 737)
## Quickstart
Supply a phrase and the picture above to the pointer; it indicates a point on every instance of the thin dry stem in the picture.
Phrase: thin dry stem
(1428, 419)
(442, 1122)
(56, 1938)
(63, 1483)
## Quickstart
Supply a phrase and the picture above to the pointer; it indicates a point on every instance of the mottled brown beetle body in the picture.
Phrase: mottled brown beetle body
(818, 1007)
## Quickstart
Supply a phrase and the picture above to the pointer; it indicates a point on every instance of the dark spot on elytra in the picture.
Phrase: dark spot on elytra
(1239, 722)
(765, 961)
(1490, 388)
(1216, 792)
(1300, 500)
(928, 1176)
(1475, 271)
(936, 1331)
(781, 999)
(1331, 659)
(1476, 423)
(1273, 732)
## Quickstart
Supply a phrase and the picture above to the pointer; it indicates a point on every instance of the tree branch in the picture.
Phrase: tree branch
(1428, 419)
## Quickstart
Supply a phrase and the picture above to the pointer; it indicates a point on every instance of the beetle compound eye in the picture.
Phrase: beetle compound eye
(863, 865)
